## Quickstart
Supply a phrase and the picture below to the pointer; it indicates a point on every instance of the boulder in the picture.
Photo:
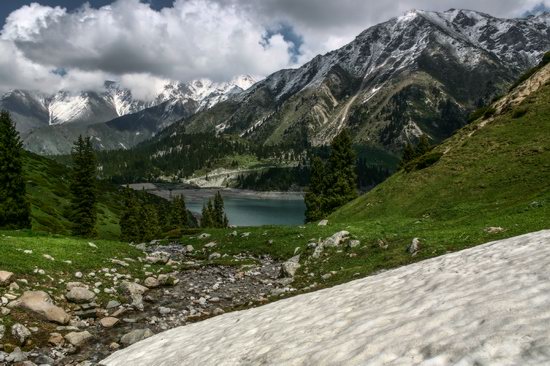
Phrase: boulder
(289, 268)
(77, 339)
(189, 248)
(56, 339)
(17, 356)
(132, 288)
(40, 303)
(80, 295)
(158, 258)
(20, 333)
(354, 243)
(71, 285)
(136, 336)
(5, 277)
(336, 239)
(214, 255)
(323, 223)
(414, 247)
(210, 245)
(151, 282)
(109, 322)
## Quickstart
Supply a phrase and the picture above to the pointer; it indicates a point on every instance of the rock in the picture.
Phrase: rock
(189, 248)
(151, 282)
(109, 322)
(20, 333)
(289, 268)
(77, 339)
(44, 360)
(318, 251)
(70, 285)
(17, 356)
(131, 288)
(210, 245)
(56, 339)
(78, 275)
(80, 295)
(217, 311)
(167, 280)
(158, 258)
(114, 346)
(136, 336)
(383, 244)
(2, 331)
(414, 247)
(4, 311)
(48, 257)
(119, 262)
(112, 304)
(204, 236)
(354, 243)
(164, 311)
(40, 303)
(214, 255)
(5, 277)
(245, 235)
(323, 223)
(336, 239)
(86, 314)
(494, 230)
(14, 286)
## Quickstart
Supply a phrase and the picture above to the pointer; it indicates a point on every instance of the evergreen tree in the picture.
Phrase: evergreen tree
(130, 225)
(179, 215)
(83, 188)
(14, 207)
(410, 153)
(315, 191)
(218, 217)
(423, 146)
(341, 177)
(206, 219)
(149, 223)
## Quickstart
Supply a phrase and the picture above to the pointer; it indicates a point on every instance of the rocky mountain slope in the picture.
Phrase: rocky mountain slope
(49, 123)
(418, 73)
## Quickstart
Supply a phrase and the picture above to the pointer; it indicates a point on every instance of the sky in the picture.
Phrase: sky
(49, 45)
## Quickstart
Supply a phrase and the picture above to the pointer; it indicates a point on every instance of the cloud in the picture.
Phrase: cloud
(43, 47)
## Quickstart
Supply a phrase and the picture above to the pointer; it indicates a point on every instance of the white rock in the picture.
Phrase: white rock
(20, 333)
(48, 257)
(80, 295)
(78, 275)
(5, 277)
(77, 339)
(41, 304)
(414, 247)
(323, 223)
(289, 268)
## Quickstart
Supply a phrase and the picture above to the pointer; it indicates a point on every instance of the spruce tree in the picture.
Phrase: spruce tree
(206, 219)
(219, 218)
(14, 207)
(408, 155)
(423, 146)
(341, 175)
(149, 223)
(315, 192)
(130, 224)
(83, 188)
(180, 216)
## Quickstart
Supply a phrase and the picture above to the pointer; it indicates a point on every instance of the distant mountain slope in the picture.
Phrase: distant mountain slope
(419, 73)
(493, 172)
(50, 123)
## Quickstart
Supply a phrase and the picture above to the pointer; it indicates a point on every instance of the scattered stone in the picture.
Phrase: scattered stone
(494, 230)
(289, 268)
(131, 288)
(48, 257)
(78, 275)
(167, 280)
(109, 322)
(234, 233)
(214, 255)
(44, 360)
(323, 223)
(70, 285)
(217, 311)
(114, 346)
(204, 236)
(189, 248)
(4, 311)
(119, 262)
(77, 339)
(112, 304)
(28, 251)
(5, 277)
(135, 336)
(2, 331)
(17, 356)
(210, 245)
(151, 282)
(20, 333)
(164, 311)
(56, 339)
(14, 286)
(80, 295)
(158, 258)
(383, 244)
(336, 239)
(354, 243)
(245, 235)
(414, 247)
(41, 303)
(92, 245)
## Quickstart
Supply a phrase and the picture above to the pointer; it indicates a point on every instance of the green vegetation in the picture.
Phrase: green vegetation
(411, 152)
(213, 214)
(14, 207)
(83, 189)
(332, 184)
(545, 61)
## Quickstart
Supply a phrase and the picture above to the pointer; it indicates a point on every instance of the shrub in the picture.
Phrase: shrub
(423, 162)
(520, 112)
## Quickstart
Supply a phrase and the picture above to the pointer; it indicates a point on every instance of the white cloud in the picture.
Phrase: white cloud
(217, 39)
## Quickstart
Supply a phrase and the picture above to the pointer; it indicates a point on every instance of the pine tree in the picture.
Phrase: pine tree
(408, 155)
(218, 217)
(315, 191)
(423, 146)
(130, 225)
(149, 223)
(341, 176)
(179, 217)
(206, 219)
(14, 207)
(83, 188)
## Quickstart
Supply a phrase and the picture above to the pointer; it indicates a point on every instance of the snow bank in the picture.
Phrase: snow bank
(489, 305)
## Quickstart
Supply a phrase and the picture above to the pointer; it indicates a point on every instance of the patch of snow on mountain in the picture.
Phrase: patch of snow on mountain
(65, 107)
(488, 305)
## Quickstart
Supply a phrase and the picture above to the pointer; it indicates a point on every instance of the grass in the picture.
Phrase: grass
(495, 175)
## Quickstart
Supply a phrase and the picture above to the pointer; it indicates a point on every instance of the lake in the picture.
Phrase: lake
(243, 207)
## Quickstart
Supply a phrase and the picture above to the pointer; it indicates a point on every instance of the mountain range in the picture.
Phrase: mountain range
(113, 117)
(420, 73)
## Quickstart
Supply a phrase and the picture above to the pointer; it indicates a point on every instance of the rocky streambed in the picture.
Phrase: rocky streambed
(78, 329)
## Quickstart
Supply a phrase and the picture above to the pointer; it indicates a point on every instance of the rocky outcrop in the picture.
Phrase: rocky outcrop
(41, 304)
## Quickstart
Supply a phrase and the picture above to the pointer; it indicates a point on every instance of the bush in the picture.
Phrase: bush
(489, 112)
(520, 112)
(423, 162)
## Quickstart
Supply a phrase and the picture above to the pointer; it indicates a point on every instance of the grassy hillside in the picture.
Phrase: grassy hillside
(49, 195)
